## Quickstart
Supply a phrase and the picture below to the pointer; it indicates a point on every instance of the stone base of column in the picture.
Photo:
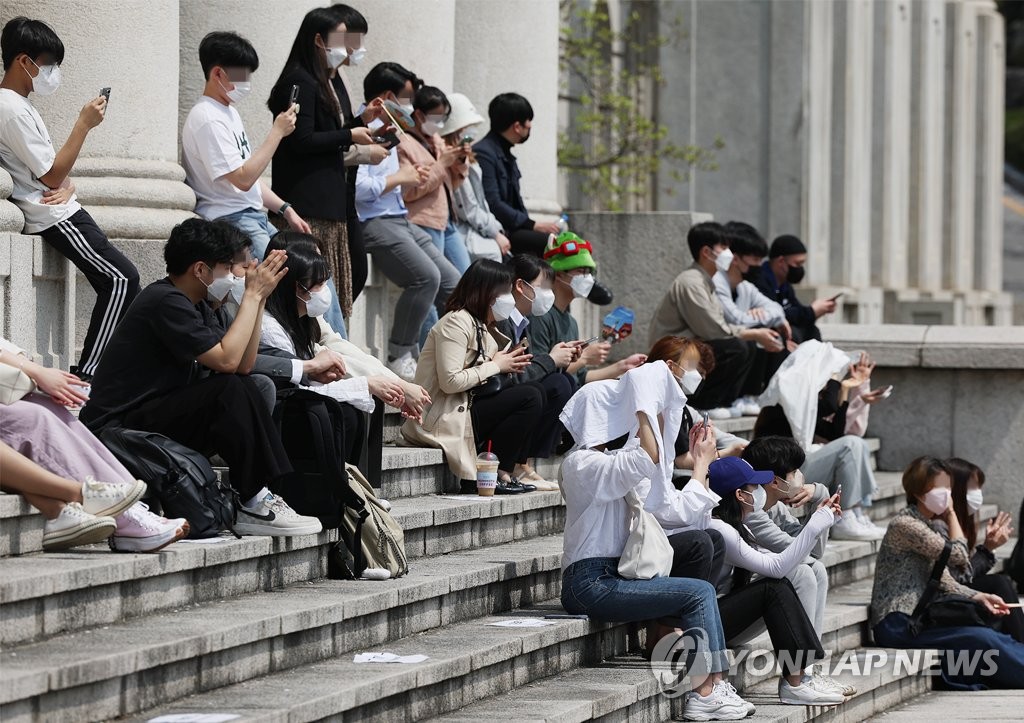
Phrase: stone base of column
(876, 305)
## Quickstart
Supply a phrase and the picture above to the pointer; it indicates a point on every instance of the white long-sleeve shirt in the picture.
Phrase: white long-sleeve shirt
(685, 509)
(596, 514)
(748, 296)
(770, 564)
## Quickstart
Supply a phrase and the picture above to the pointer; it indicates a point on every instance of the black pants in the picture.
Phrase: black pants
(557, 387)
(112, 276)
(1002, 585)
(697, 554)
(763, 366)
(223, 414)
(804, 332)
(526, 241)
(796, 644)
(357, 252)
(509, 420)
(733, 361)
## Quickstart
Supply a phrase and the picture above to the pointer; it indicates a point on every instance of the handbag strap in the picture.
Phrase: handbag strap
(932, 587)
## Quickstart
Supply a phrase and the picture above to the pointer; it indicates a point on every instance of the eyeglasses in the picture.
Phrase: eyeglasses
(569, 248)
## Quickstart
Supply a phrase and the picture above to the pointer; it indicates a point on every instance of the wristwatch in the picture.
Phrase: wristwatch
(285, 207)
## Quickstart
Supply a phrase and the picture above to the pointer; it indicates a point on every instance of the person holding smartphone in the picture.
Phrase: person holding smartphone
(32, 57)
(776, 278)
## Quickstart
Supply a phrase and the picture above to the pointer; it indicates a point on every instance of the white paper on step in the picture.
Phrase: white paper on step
(388, 658)
(522, 623)
(195, 718)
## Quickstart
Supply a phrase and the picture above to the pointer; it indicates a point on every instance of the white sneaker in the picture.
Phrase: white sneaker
(107, 499)
(728, 691)
(747, 406)
(713, 707)
(139, 530)
(74, 526)
(404, 366)
(849, 528)
(868, 524)
(719, 413)
(273, 517)
(820, 681)
(807, 694)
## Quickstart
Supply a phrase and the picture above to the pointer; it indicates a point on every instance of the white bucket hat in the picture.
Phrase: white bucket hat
(463, 114)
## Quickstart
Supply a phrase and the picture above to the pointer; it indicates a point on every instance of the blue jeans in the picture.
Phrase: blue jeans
(893, 631)
(255, 224)
(451, 243)
(593, 587)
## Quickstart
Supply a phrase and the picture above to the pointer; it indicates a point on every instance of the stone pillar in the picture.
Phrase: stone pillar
(893, 170)
(816, 230)
(928, 118)
(991, 75)
(963, 75)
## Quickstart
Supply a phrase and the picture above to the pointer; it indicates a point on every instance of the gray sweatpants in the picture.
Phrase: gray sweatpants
(845, 461)
(407, 256)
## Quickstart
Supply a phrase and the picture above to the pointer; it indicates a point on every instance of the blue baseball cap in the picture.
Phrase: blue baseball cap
(730, 473)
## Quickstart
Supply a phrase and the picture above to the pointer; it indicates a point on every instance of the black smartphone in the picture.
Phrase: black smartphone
(590, 341)
(466, 141)
(705, 416)
(294, 96)
(105, 92)
(388, 140)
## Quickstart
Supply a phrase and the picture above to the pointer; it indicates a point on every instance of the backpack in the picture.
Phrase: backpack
(382, 538)
(181, 479)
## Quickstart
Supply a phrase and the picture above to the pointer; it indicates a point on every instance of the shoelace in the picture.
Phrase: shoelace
(278, 505)
(144, 517)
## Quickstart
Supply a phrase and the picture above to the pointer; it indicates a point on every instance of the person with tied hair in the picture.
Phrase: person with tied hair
(775, 279)
(908, 553)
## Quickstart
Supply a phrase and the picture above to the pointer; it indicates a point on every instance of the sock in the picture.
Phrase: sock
(256, 500)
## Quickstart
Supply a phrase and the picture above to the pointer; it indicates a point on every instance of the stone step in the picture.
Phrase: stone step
(44, 594)
(21, 526)
(96, 673)
(984, 705)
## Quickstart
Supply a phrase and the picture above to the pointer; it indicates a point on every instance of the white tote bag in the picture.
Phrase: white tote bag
(647, 553)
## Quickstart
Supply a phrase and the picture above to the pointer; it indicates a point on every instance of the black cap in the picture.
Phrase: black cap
(786, 245)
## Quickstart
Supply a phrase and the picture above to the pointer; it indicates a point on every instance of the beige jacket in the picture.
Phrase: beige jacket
(445, 370)
(358, 363)
(691, 308)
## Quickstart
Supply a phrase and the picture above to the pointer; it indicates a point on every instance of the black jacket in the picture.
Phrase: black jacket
(309, 165)
(501, 182)
(797, 313)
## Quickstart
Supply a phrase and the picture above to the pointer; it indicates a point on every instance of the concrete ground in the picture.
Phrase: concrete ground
(1013, 248)
(989, 705)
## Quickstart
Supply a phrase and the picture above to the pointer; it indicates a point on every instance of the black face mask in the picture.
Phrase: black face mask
(795, 274)
(753, 274)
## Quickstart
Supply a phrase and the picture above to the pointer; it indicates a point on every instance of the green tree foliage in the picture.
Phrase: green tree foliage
(614, 147)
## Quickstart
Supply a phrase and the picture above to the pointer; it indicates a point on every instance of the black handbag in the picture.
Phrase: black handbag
(945, 611)
(492, 385)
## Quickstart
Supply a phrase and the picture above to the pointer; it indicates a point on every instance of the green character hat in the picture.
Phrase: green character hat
(568, 251)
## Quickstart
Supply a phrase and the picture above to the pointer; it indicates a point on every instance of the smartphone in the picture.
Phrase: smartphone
(888, 392)
(590, 341)
(105, 92)
(388, 140)
(294, 98)
(836, 297)
(466, 140)
(705, 416)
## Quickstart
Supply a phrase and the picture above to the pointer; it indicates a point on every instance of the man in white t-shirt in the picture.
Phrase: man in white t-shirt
(32, 54)
(220, 164)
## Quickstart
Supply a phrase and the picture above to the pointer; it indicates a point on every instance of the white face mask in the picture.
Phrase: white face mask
(759, 498)
(47, 80)
(724, 260)
(241, 91)
(582, 285)
(543, 300)
(357, 56)
(433, 124)
(974, 500)
(238, 289)
(408, 108)
(217, 289)
(690, 380)
(335, 56)
(319, 302)
(503, 306)
(936, 500)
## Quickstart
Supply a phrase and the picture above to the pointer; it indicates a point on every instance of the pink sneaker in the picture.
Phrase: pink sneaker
(139, 530)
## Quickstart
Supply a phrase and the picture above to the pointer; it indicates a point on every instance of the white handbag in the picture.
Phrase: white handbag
(14, 384)
(647, 553)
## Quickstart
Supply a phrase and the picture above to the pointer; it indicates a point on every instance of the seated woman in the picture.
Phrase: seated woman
(770, 601)
(904, 566)
(55, 463)
(595, 482)
(464, 350)
(968, 479)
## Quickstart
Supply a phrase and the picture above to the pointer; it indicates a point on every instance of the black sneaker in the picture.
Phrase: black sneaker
(509, 487)
(600, 294)
(526, 487)
(467, 486)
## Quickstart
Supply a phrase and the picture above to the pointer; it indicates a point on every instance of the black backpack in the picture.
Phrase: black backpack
(312, 428)
(181, 479)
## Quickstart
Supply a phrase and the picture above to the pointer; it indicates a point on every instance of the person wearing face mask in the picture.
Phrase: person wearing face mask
(32, 56)
(691, 308)
(775, 279)
(463, 351)
(967, 481)
(573, 262)
(906, 558)
(174, 369)
(309, 165)
(430, 202)
(771, 601)
(480, 228)
(221, 165)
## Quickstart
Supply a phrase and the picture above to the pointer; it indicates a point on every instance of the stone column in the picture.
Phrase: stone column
(819, 24)
(991, 74)
(963, 75)
(928, 118)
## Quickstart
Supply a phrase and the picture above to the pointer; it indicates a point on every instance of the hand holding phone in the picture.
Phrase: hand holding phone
(293, 99)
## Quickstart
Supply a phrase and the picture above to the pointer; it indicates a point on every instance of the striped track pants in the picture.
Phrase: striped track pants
(112, 276)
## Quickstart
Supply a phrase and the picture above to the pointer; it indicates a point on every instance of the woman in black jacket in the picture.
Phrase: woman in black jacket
(310, 167)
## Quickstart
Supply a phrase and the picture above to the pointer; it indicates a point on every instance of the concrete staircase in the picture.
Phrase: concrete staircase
(251, 627)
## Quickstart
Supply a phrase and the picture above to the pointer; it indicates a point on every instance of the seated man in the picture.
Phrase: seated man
(573, 262)
(152, 376)
(742, 302)
(775, 279)
(692, 309)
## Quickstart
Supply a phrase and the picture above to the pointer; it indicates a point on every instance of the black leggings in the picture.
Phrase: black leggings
(357, 253)
(509, 420)
(557, 388)
(788, 626)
